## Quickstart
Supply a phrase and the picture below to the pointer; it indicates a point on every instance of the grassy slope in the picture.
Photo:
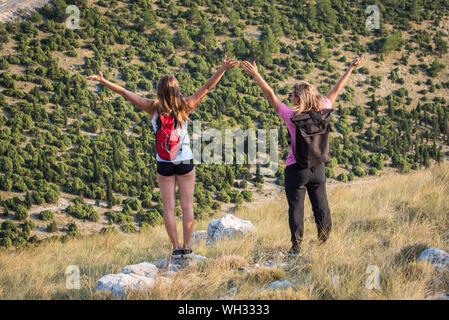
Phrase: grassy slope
(385, 223)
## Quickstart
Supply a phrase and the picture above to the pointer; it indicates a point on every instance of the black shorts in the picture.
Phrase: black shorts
(169, 168)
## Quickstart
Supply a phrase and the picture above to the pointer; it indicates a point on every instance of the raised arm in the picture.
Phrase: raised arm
(333, 94)
(146, 105)
(196, 98)
(251, 69)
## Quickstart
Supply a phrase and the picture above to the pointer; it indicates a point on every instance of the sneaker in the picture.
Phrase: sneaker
(188, 252)
(293, 252)
(177, 253)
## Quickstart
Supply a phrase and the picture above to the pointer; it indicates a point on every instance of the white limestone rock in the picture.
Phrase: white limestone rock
(279, 285)
(437, 257)
(227, 227)
(120, 284)
(145, 269)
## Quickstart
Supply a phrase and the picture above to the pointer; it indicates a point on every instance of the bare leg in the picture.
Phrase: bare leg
(167, 186)
(186, 184)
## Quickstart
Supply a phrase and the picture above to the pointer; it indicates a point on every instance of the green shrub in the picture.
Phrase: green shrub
(129, 228)
(343, 177)
(72, 229)
(152, 217)
(247, 195)
(6, 242)
(46, 215)
(29, 225)
(21, 213)
(359, 172)
(52, 227)
(108, 230)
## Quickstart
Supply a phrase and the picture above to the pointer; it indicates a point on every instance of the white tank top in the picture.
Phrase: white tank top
(184, 153)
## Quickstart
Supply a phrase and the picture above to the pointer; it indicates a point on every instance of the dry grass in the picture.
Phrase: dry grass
(386, 223)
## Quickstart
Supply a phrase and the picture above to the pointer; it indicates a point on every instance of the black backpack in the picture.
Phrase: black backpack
(312, 138)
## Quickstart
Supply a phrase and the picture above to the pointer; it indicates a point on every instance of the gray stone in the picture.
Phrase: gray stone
(145, 269)
(167, 265)
(441, 296)
(227, 227)
(120, 284)
(437, 257)
(279, 285)
(175, 263)
(198, 236)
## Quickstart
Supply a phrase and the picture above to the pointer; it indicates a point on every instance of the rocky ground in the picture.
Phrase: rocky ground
(145, 275)
(11, 9)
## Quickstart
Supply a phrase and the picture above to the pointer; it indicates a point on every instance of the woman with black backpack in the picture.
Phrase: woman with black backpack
(308, 127)
(169, 117)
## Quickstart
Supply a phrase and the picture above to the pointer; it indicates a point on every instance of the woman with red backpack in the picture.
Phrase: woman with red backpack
(169, 117)
(308, 127)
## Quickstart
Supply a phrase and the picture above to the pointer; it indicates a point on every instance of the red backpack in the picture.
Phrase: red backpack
(167, 138)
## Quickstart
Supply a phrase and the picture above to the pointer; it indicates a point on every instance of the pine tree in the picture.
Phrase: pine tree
(109, 195)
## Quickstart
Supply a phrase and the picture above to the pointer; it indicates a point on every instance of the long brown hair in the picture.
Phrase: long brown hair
(309, 98)
(170, 100)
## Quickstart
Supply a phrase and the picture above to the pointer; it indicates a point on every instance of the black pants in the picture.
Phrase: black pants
(297, 181)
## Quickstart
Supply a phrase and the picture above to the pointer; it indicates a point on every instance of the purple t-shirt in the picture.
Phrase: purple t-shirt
(286, 113)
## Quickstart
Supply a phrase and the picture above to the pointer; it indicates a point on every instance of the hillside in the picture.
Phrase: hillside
(386, 223)
(86, 155)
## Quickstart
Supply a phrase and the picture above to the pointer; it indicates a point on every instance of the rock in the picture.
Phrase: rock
(164, 281)
(174, 264)
(441, 296)
(227, 227)
(166, 265)
(437, 257)
(279, 285)
(145, 269)
(198, 236)
(120, 284)
(168, 273)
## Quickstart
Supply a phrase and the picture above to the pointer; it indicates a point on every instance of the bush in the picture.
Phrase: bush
(359, 172)
(21, 212)
(72, 229)
(247, 195)
(52, 227)
(351, 176)
(6, 242)
(29, 225)
(46, 215)
(129, 228)
(342, 177)
(83, 211)
(118, 217)
(108, 230)
(151, 217)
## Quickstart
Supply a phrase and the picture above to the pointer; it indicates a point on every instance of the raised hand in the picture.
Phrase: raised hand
(251, 69)
(98, 77)
(226, 65)
(358, 61)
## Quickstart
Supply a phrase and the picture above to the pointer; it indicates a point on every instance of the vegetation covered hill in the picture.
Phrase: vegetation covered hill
(64, 137)
(386, 224)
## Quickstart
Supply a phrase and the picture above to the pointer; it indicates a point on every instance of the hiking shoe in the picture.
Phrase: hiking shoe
(187, 252)
(177, 253)
(293, 252)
